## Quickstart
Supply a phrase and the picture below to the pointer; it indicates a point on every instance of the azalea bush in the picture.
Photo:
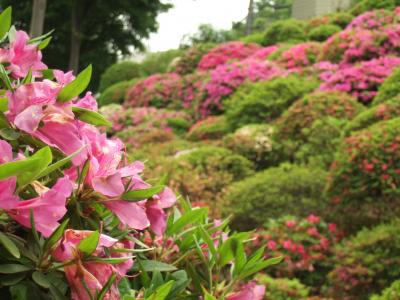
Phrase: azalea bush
(389, 88)
(283, 288)
(285, 31)
(390, 293)
(77, 218)
(122, 71)
(299, 56)
(211, 128)
(116, 93)
(188, 62)
(323, 32)
(376, 19)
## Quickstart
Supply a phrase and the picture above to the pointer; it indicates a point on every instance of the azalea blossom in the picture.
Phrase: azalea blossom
(250, 291)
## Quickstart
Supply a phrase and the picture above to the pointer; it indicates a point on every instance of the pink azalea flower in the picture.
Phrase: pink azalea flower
(290, 223)
(271, 245)
(313, 219)
(47, 209)
(250, 291)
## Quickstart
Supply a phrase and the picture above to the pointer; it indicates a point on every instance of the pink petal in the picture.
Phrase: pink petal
(111, 186)
(129, 213)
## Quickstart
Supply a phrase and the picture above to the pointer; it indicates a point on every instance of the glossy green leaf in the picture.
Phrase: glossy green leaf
(192, 217)
(5, 78)
(9, 134)
(107, 286)
(28, 77)
(57, 165)
(162, 292)
(41, 279)
(55, 236)
(77, 86)
(153, 266)
(56, 293)
(18, 167)
(261, 265)
(5, 22)
(11, 279)
(3, 104)
(39, 39)
(89, 244)
(43, 44)
(9, 245)
(13, 268)
(48, 74)
(90, 117)
(209, 297)
(45, 157)
(139, 195)
(110, 260)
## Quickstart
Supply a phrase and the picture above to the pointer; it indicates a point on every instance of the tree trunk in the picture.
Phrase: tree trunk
(76, 37)
(38, 14)
(250, 18)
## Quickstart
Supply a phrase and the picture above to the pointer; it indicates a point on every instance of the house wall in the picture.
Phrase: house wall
(305, 9)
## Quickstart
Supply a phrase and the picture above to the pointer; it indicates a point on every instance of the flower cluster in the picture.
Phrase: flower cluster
(376, 19)
(225, 53)
(227, 78)
(299, 56)
(360, 80)
(263, 53)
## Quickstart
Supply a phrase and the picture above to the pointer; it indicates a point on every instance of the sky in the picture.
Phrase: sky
(187, 15)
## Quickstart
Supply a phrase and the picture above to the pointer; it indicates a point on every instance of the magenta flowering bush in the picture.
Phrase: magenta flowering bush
(299, 56)
(264, 53)
(227, 78)
(361, 80)
(75, 212)
(225, 53)
(376, 19)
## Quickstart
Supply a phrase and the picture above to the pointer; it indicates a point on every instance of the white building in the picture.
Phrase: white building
(305, 9)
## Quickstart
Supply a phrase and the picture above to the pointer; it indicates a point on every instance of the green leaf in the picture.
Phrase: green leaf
(76, 87)
(3, 104)
(57, 165)
(39, 39)
(43, 44)
(240, 258)
(28, 77)
(45, 157)
(153, 266)
(9, 134)
(162, 292)
(107, 286)
(209, 297)
(56, 293)
(226, 251)
(5, 22)
(16, 168)
(139, 195)
(209, 241)
(48, 74)
(110, 260)
(9, 245)
(90, 117)
(41, 279)
(5, 78)
(192, 217)
(55, 236)
(13, 268)
(261, 265)
(11, 279)
(89, 244)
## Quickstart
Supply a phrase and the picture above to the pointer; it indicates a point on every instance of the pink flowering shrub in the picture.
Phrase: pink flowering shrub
(376, 19)
(192, 91)
(299, 56)
(159, 90)
(225, 53)
(305, 244)
(361, 80)
(263, 53)
(75, 212)
(227, 78)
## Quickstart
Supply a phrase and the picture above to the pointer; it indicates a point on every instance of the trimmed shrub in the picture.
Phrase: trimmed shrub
(159, 62)
(257, 38)
(367, 5)
(282, 288)
(208, 129)
(254, 142)
(187, 63)
(264, 53)
(341, 19)
(381, 112)
(390, 88)
(365, 263)
(291, 30)
(265, 101)
(365, 176)
(293, 128)
(288, 189)
(390, 293)
(323, 32)
(376, 19)
(306, 245)
(116, 93)
(122, 71)
(299, 56)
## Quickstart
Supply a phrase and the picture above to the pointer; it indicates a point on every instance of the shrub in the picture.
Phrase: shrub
(122, 71)
(375, 114)
(225, 53)
(192, 92)
(362, 80)
(364, 263)
(288, 189)
(306, 245)
(367, 5)
(283, 288)
(376, 19)
(254, 142)
(264, 53)
(389, 89)
(158, 90)
(323, 32)
(226, 79)
(299, 56)
(187, 63)
(257, 38)
(293, 128)
(341, 19)
(116, 93)
(390, 293)
(285, 31)
(365, 175)
(208, 129)
(265, 101)
(159, 62)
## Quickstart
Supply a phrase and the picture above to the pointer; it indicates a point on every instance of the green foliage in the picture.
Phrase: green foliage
(283, 288)
(341, 19)
(265, 101)
(205, 34)
(188, 61)
(367, 5)
(116, 73)
(323, 32)
(159, 62)
(257, 37)
(116, 93)
(365, 176)
(389, 89)
(390, 293)
(208, 129)
(288, 189)
(381, 112)
(285, 31)
(364, 264)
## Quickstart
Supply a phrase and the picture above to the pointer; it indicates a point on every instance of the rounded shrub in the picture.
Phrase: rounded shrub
(390, 88)
(376, 19)
(159, 62)
(187, 63)
(293, 128)
(257, 38)
(283, 288)
(288, 189)
(265, 101)
(300, 56)
(116, 93)
(285, 31)
(375, 114)
(122, 71)
(367, 5)
(254, 142)
(323, 32)
(365, 176)
(341, 19)
(210, 128)
(390, 293)
(365, 263)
